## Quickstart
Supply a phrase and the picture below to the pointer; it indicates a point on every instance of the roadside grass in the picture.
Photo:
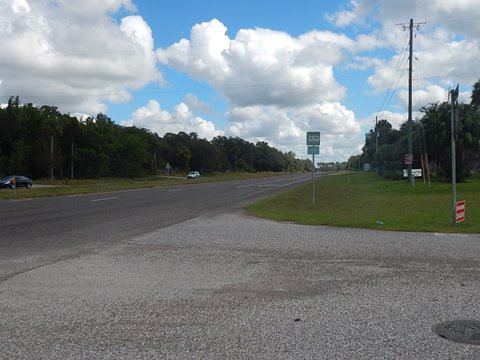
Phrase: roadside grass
(89, 186)
(365, 200)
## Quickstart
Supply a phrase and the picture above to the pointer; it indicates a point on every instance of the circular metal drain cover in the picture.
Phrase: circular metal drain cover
(464, 331)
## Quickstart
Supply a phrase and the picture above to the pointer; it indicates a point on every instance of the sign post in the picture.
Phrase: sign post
(313, 148)
(14, 182)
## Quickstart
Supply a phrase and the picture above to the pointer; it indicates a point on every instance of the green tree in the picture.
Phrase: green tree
(475, 102)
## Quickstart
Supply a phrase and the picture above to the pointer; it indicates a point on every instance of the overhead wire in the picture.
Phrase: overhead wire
(398, 74)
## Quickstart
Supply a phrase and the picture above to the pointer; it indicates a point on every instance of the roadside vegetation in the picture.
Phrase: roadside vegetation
(365, 200)
(42, 143)
(385, 147)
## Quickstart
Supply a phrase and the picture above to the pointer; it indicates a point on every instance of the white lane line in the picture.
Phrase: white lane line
(105, 199)
(244, 186)
(175, 190)
(269, 182)
(265, 190)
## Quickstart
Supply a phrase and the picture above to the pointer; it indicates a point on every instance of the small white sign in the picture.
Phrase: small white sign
(415, 173)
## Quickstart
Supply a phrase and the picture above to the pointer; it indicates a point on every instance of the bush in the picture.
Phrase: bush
(393, 175)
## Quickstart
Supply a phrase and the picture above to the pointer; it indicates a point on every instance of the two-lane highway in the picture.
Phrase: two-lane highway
(44, 230)
(121, 276)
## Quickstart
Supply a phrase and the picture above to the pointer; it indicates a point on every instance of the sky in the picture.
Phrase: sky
(261, 70)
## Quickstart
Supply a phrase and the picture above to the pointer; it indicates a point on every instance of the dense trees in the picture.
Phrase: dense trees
(41, 142)
(385, 147)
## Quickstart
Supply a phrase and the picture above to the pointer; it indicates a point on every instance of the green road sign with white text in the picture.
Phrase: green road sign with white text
(313, 138)
(313, 150)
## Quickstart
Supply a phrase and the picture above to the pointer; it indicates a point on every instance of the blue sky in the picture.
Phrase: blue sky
(261, 70)
(175, 19)
(284, 15)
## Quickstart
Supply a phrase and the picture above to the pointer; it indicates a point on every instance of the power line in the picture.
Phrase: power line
(397, 75)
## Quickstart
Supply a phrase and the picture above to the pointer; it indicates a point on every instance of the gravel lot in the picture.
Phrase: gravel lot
(231, 286)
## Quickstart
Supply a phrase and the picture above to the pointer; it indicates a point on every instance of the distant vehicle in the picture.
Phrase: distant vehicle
(15, 181)
(193, 175)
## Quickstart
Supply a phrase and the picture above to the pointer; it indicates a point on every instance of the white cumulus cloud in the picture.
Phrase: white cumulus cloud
(153, 117)
(75, 57)
(277, 86)
(259, 66)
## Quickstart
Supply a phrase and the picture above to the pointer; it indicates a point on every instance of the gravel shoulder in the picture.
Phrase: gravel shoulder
(230, 286)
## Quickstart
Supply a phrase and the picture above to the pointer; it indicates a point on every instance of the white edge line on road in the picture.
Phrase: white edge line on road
(264, 183)
(261, 191)
(175, 190)
(105, 199)
(244, 186)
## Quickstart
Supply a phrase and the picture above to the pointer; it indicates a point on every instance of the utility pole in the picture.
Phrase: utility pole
(51, 157)
(154, 163)
(71, 160)
(454, 119)
(411, 25)
(411, 179)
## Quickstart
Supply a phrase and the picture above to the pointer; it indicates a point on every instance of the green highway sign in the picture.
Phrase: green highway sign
(313, 150)
(313, 138)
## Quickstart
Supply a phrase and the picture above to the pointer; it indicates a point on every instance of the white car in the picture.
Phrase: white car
(193, 175)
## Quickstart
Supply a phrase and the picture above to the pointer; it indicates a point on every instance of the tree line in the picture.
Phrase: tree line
(42, 142)
(385, 147)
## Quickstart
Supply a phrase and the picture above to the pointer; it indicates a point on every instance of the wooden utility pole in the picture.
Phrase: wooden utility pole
(51, 157)
(411, 179)
(454, 114)
(411, 25)
(71, 161)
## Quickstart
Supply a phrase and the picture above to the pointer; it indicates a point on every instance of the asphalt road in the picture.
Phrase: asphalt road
(45, 230)
(96, 277)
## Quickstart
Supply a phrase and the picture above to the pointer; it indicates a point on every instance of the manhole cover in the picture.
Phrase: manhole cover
(464, 331)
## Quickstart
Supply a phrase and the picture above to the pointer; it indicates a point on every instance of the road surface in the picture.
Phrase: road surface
(44, 230)
(202, 280)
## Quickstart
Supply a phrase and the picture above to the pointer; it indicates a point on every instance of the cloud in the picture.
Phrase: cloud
(196, 104)
(446, 48)
(277, 86)
(356, 13)
(259, 66)
(394, 118)
(76, 57)
(153, 117)
(345, 17)
(286, 130)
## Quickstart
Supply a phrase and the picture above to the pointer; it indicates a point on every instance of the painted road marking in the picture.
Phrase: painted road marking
(105, 199)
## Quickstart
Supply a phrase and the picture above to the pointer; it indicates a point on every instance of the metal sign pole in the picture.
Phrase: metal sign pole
(313, 147)
(313, 179)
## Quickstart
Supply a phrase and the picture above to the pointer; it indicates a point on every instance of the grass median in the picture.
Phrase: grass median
(365, 200)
